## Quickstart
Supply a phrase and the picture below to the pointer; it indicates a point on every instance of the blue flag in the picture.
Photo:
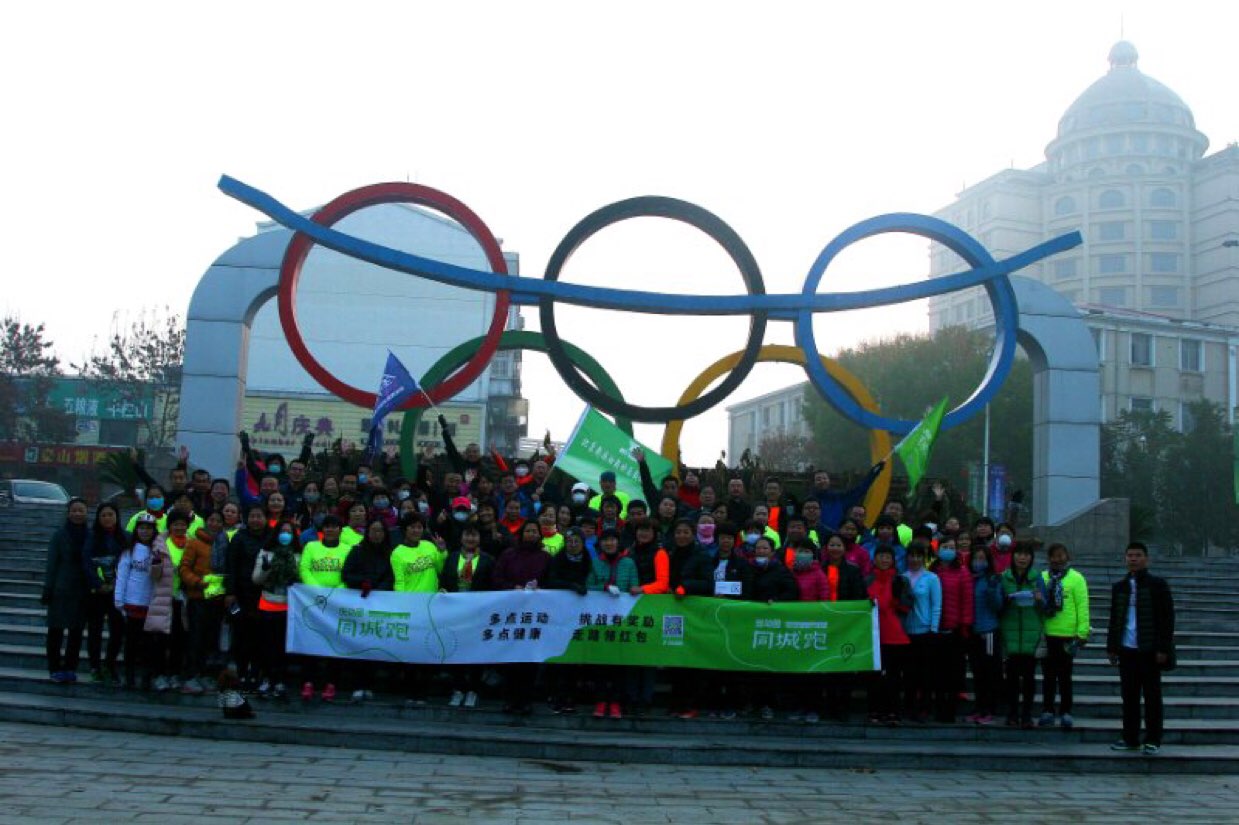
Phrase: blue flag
(396, 387)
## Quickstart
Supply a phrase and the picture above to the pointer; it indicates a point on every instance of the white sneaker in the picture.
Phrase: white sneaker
(359, 696)
(471, 699)
(192, 688)
(160, 684)
(457, 699)
(264, 688)
(174, 683)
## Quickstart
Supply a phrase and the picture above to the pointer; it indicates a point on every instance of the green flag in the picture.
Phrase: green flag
(915, 447)
(597, 445)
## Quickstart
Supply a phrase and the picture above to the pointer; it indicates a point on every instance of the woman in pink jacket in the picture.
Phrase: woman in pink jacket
(954, 630)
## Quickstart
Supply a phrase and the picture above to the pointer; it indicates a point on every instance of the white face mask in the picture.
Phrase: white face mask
(578, 498)
(1004, 539)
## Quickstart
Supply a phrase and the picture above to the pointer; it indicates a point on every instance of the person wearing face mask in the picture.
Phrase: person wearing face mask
(707, 537)
(578, 499)
(311, 513)
(453, 520)
(955, 629)
(155, 508)
(276, 569)
(381, 508)
(922, 623)
(984, 649)
(1067, 629)
(772, 582)
(1004, 542)
(748, 539)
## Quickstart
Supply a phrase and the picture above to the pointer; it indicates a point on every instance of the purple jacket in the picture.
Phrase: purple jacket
(517, 566)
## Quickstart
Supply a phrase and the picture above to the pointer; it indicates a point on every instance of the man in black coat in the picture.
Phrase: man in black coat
(1140, 640)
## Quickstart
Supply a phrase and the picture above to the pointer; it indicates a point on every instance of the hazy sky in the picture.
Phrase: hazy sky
(791, 121)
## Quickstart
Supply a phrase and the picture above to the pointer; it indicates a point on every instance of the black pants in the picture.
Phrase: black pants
(273, 629)
(55, 638)
(985, 658)
(101, 611)
(1056, 674)
(948, 675)
(885, 689)
(166, 651)
(919, 673)
(202, 645)
(1139, 674)
(246, 641)
(1021, 686)
(519, 681)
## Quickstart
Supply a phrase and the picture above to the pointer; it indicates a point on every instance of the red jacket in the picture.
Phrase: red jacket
(956, 596)
(814, 587)
(890, 611)
(858, 556)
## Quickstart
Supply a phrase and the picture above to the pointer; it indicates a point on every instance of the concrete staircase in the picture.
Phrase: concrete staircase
(1202, 701)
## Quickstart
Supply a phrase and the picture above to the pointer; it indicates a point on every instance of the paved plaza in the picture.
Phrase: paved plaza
(66, 775)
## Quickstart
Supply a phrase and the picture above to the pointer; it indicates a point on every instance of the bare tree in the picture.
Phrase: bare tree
(28, 372)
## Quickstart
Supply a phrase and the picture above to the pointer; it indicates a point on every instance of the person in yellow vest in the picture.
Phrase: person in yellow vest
(416, 562)
(761, 514)
(355, 530)
(154, 509)
(170, 650)
(322, 565)
(606, 482)
(552, 539)
(202, 584)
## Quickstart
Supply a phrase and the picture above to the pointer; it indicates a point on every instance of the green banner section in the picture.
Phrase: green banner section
(720, 634)
(597, 445)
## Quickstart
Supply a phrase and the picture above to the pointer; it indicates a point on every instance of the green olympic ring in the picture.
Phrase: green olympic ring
(510, 340)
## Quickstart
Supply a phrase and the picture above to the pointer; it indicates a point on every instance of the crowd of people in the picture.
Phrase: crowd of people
(193, 587)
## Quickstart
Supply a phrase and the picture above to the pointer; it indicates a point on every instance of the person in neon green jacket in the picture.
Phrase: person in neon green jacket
(1066, 631)
(355, 530)
(416, 562)
(322, 561)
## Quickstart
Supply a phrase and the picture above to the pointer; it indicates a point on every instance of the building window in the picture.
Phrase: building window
(1066, 205)
(1162, 198)
(1112, 230)
(1141, 349)
(1139, 404)
(1065, 268)
(1112, 296)
(1111, 199)
(1164, 262)
(1163, 230)
(1099, 340)
(1164, 296)
(1191, 355)
(1187, 421)
(1111, 264)
(765, 416)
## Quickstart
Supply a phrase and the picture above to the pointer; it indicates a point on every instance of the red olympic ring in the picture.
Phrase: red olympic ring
(374, 195)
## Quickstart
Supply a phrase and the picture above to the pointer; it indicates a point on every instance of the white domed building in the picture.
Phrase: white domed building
(1157, 276)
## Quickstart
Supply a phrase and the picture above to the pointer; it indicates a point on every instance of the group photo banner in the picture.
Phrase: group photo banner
(562, 627)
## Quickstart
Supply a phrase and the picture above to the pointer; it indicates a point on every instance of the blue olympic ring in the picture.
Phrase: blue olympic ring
(796, 308)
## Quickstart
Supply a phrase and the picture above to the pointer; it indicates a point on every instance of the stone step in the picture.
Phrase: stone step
(616, 741)
(26, 599)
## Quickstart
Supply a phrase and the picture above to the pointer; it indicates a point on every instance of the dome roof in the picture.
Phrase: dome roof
(1125, 97)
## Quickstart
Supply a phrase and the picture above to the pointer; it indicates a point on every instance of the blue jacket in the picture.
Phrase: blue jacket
(926, 613)
(901, 554)
(987, 602)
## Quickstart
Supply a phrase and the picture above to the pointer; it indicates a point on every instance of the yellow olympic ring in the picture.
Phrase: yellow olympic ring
(879, 440)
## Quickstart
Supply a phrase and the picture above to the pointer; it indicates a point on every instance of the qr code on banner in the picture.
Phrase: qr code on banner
(673, 627)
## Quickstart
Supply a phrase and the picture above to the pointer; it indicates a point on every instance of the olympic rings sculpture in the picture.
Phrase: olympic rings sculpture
(759, 306)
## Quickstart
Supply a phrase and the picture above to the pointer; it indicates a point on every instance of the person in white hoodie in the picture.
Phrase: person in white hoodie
(132, 596)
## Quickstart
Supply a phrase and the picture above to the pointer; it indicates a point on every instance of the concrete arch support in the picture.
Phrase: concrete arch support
(217, 347)
(1066, 405)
